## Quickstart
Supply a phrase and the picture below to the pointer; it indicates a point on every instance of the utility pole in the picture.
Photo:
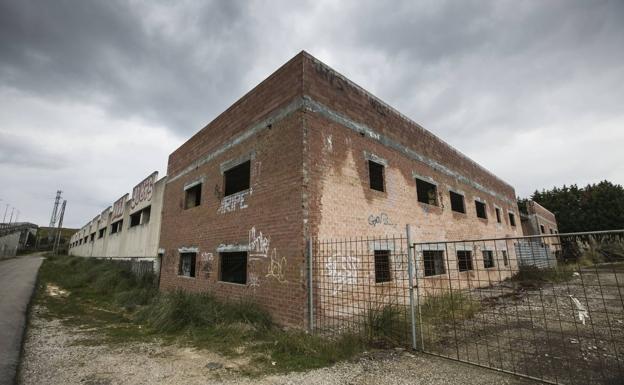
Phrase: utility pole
(53, 218)
(60, 225)
(5, 212)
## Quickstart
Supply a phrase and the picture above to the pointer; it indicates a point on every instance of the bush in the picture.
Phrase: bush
(448, 307)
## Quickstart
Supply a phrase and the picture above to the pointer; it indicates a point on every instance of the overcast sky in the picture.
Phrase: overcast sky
(95, 95)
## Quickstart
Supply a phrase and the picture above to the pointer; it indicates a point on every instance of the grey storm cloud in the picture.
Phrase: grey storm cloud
(529, 89)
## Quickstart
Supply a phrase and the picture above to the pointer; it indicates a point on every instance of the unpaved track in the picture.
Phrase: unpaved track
(17, 281)
(54, 354)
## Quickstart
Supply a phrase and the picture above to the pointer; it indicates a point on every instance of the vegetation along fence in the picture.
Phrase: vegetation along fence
(548, 307)
(138, 265)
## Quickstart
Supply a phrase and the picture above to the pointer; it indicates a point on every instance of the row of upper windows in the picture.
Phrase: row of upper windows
(233, 265)
(140, 217)
(235, 180)
(552, 231)
(427, 192)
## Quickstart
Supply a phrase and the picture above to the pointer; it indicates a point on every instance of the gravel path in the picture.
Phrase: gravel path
(54, 354)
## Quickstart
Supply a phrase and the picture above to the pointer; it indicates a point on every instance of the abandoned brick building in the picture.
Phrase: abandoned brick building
(309, 154)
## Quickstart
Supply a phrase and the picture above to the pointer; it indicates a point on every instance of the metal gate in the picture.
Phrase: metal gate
(547, 307)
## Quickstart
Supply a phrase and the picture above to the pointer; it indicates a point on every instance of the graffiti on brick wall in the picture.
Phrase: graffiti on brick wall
(259, 249)
(143, 191)
(277, 266)
(382, 219)
(206, 262)
(234, 202)
(254, 281)
(258, 243)
(341, 270)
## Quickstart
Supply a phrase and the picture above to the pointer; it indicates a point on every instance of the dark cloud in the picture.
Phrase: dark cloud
(529, 89)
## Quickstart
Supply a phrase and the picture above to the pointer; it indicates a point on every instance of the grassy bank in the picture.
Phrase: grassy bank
(100, 295)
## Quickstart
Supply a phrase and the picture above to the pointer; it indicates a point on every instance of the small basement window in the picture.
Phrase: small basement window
(426, 192)
(234, 267)
(116, 227)
(464, 260)
(135, 219)
(505, 258)
(434, 262)
(480, 206)
(512, 219)
(488, 259)
(102, 232)
(237, 178)
(192, 196)
(498, 215)
(376, 175)
(187, 264)
(457, 202)
(382, 266)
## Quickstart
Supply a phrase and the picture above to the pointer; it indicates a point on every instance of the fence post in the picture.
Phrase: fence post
(310, 286)
(410, 272)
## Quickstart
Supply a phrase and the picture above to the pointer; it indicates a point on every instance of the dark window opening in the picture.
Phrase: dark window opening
(237, 178)
(434, 262)
(551, 231)
(464, 260)
(480, 206)
(376, 175)
(135, 219)
(542, 229)
(505, 259)
(234, 267)
(192, 197)
(488, 259)
(145, 215)
(187, 264)
(426, 192)
(116, 227)
(102, 232)
(457, 202)
(498, 216)
(512, 219)
(382, 266)
(92, 237)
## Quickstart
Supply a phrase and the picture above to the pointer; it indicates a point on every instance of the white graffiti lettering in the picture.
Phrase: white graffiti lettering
(235, 201)
(258, 243)
(143, 191)
(277, 266)
(254, 281)
(342, 270)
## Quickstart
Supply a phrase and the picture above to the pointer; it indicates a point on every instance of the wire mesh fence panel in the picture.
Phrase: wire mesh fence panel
(548, 307)
(361, 286)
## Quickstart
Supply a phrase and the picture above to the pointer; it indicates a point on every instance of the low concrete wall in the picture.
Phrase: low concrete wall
(9, 244)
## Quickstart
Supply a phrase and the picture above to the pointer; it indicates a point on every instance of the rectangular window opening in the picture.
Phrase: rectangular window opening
(512, 219)
(382, 266)
(488, 259)
(481, 212)
(464, 260)
(426, 192)
(434, 262)
(376, 175)
(457, 202)
(92, 237)
(102, 232)
(542, 229)
(192, 196)
(498, 215)
(187, 264)
(234, 267)
(505, 258)
(116, 227)
(135, 219)
(237, 178)
(145, 215)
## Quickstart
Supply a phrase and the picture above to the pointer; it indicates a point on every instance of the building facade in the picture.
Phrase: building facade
(129, 228)
(309, 154)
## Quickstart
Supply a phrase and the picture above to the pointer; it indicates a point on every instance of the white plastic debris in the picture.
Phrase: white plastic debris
(583, 314)
(576, 274)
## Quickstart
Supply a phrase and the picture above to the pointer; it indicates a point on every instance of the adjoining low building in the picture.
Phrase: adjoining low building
(543, 250)
(130, 228)
(308, 154)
